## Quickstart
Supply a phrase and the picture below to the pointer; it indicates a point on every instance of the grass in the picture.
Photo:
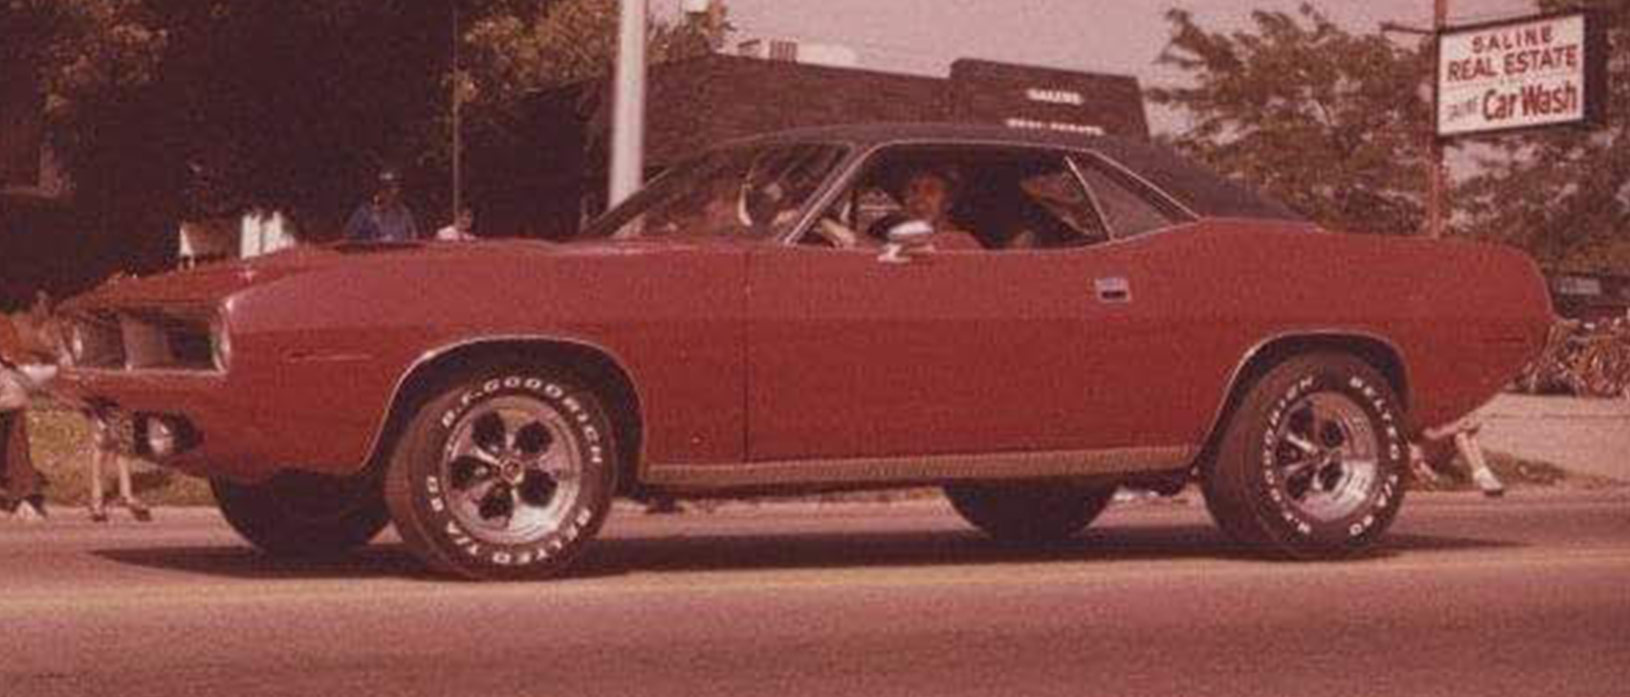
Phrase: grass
(60, 441)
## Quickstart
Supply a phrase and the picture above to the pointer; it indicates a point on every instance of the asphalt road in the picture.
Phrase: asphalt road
(1525, 596)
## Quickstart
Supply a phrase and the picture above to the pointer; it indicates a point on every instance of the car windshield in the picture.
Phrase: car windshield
(748, 192)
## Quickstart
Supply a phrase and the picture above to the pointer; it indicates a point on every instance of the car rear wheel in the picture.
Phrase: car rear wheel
(504, 473)
(300, 514)
(1030, 512)
(1312, 462)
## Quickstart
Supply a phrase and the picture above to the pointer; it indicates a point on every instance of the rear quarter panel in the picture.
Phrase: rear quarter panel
(1463, 317)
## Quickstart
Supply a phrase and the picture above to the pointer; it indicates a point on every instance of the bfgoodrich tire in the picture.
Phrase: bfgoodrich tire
(504, 473)
(297, 514)
(1029, 512)
(1311, 463)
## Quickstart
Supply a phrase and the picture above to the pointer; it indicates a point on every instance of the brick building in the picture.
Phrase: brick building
(545, 187)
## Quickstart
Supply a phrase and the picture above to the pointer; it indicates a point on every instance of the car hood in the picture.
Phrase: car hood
(214, 283)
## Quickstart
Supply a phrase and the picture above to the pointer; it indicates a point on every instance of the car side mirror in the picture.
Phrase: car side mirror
(907, 239)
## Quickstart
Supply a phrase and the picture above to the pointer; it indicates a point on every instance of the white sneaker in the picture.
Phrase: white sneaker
(27, 513)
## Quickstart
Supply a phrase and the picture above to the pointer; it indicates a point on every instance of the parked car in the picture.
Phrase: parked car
(780, 315)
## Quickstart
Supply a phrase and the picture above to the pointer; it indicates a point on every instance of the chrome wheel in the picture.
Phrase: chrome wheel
(513, 469)
(1326, 456)
(1311, 463)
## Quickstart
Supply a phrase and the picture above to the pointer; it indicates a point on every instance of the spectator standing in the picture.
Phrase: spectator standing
(20, 483)
(460, 229)
(383, 218)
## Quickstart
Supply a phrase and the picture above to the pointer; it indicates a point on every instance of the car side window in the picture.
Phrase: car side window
(1126, 210)
(976, 197)
(1059, 192)
(747, 192)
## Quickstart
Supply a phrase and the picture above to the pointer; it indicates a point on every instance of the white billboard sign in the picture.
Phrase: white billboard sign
(1520, 74)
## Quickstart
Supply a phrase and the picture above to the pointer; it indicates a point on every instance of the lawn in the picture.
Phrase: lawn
(61, 445)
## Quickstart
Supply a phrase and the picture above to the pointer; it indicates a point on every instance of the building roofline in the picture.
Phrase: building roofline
(890, 131)
(722, 57)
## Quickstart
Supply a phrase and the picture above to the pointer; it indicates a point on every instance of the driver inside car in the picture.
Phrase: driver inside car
(928, 194)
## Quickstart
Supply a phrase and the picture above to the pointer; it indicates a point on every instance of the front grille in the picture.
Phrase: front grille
(143, 339)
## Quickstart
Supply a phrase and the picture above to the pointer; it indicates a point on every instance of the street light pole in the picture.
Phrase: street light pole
(1436, 183)
(628, 104)
(458, 124)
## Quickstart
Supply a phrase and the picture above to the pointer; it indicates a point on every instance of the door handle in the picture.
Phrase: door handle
(1114, 289)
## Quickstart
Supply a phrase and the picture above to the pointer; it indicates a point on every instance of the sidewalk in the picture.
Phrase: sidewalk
(1581, 435)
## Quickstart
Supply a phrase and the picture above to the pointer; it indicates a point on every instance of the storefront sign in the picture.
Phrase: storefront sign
(1542, 71)
(1070, 97)
(1059, 126)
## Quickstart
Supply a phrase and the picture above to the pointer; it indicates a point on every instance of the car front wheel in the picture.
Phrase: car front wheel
(299, 514)
(504, 473)
(1030, 512)
(1312, 462)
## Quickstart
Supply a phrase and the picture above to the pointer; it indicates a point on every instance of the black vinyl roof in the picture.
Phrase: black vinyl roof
(1202, 191)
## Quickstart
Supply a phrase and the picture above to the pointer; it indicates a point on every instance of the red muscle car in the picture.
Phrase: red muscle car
(1027, 319)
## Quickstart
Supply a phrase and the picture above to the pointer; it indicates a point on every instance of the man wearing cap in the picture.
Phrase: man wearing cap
(383, 218)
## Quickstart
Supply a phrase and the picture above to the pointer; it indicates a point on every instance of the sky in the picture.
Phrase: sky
(1121, 36)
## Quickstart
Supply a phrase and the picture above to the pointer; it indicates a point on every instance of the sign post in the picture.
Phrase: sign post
(1435, 176)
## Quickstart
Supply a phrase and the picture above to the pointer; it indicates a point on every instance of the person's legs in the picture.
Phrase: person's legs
(102, 455)
(7, 502)
(22, 481)
(127, 491)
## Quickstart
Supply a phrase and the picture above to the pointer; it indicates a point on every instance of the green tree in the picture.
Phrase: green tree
(171, 109)
(515, 52)
(85, 53)
(1327, 121)
(1563, 194)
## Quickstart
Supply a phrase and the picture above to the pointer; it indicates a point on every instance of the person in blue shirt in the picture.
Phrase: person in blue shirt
(383, 218)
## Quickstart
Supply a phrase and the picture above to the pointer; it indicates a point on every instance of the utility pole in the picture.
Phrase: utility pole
(628, 104)
(1436, 184)
(458, 123)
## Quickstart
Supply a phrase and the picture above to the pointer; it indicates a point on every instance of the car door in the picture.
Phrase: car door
(953, 352)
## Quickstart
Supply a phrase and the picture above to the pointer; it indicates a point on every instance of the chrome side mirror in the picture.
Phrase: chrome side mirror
(907, 239)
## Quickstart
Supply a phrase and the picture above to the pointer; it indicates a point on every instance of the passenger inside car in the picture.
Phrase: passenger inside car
(710, 209)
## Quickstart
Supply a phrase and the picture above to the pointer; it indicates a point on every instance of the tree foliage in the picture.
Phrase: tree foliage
(514, 53)
(170, 109)
(1563, 194)
(84, 46)
(86, 52)
(1327, 121)
(519, 52)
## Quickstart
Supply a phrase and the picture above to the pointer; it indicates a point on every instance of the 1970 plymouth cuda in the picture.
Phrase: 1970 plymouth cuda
(1027, 319)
